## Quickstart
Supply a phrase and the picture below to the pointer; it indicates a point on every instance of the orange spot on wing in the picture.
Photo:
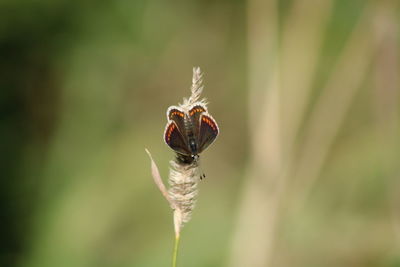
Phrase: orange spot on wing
(210, 123)
(169, 132)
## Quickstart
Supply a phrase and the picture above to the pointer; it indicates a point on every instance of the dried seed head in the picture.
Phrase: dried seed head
(184, 176)
(184, 172)
(183, 179)
(196, 90)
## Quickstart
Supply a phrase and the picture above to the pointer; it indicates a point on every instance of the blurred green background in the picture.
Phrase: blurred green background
(305, 172)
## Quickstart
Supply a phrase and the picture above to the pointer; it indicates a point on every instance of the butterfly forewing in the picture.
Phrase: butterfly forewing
(196, 110)
(178, 116)
(208, 131)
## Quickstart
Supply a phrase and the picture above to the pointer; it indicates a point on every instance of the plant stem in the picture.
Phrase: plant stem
(175, 252)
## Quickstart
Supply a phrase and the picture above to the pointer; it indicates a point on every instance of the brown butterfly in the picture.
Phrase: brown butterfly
(189, 132)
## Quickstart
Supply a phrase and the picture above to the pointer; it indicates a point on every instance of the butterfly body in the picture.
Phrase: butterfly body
(190, 131)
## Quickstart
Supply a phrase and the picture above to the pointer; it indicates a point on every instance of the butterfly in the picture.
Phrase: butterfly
(190, 131)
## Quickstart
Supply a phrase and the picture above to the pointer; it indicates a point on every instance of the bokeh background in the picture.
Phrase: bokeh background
(305, 172)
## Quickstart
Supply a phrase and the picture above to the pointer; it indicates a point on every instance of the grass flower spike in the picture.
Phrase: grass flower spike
(190, 130)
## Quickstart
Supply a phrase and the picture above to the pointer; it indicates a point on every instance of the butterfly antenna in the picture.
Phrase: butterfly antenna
(202, 174)
(197, 160)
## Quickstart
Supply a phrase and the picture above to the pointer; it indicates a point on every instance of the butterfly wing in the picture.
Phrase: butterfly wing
(195, 114)
(196, 111)
(174, 131)
(208, 131)
(175, 140)
(177, 115)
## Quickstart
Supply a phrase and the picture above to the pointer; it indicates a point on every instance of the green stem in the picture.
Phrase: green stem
(175, 253)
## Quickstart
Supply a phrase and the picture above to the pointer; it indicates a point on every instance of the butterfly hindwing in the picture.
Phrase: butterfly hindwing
(208, 131)
(174, 139)
(195, 114)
